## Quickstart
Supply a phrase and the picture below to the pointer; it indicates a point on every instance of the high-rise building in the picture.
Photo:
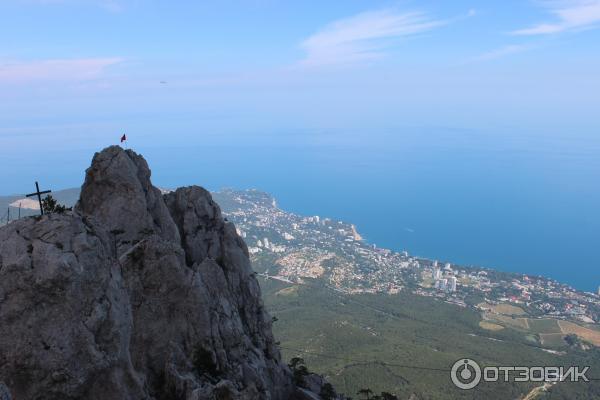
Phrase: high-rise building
(437, 274)
(441, 284)
(451, 284)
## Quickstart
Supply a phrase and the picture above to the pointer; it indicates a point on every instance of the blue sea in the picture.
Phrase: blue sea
(508, 200)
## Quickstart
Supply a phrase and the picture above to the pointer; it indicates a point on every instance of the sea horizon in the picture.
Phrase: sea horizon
(513, 204)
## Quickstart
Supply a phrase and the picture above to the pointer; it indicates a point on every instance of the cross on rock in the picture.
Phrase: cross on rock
(39, 196)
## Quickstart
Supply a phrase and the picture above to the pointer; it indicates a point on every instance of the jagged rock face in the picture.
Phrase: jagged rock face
(134, 296)
(117, 191)
(64, 314)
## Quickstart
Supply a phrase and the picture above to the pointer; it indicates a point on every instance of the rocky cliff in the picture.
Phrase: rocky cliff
(134, 295)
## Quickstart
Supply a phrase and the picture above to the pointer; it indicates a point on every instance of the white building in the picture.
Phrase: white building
(287, 236)
(254, 250)
(441, 284)
(437, 274)
(451, 284)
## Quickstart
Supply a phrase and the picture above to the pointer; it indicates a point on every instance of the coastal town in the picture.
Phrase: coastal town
(303, 249)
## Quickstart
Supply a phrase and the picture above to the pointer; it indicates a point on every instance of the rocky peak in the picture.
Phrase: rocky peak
(134, 295)
(118, 194)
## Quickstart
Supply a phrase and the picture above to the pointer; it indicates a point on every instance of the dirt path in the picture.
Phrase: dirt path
(537, 391)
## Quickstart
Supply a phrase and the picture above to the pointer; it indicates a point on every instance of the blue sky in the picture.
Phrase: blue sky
(76, 73)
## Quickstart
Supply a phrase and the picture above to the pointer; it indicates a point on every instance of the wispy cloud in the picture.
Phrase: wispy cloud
(109, 5)
(570, 15)
(56, 70)
(502, 52)
(363, 37)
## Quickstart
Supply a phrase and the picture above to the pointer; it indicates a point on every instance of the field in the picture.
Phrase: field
(551, 332)
(511, 322)
(403, 344)
(490, 326)
(507, 309)
(552, 339)
(590, 335)
(544, 326)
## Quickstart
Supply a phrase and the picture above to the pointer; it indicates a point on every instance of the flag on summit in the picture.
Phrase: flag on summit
(123, 138)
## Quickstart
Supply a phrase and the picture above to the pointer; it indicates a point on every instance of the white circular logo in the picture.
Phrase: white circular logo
(465, 374)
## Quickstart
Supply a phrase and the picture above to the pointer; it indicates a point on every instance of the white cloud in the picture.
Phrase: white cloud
(502, 52)
(570, 15)
(56, 70)
(363, 37)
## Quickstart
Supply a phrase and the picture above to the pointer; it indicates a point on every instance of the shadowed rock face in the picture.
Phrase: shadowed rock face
(134, 295)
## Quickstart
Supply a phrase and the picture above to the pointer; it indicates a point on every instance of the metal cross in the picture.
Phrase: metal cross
(39, 196)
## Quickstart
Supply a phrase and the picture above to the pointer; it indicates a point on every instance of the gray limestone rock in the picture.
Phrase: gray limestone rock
(118, 194)
(133, 295)
(65, 317)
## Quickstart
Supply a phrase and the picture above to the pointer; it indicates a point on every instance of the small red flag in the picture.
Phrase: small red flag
(123, 138)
